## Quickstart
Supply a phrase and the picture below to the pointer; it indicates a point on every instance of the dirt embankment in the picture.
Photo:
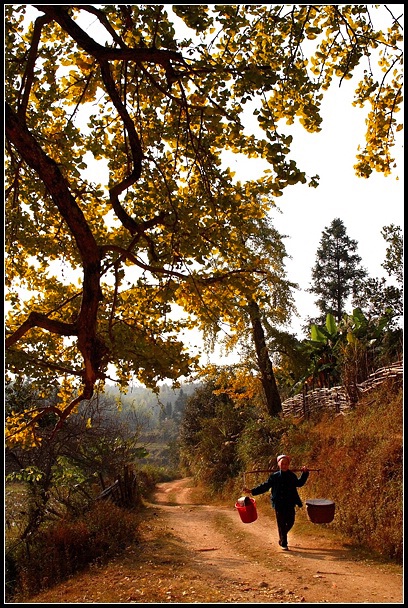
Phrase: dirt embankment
(196, 553)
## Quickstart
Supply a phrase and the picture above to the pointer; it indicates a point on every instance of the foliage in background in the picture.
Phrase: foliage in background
(212, 422)
(52, 488)
(376, 297)
(348, 351)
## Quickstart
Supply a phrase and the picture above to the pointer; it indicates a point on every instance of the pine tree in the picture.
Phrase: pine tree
(336, 272)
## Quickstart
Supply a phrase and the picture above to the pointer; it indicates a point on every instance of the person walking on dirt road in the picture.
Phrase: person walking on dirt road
(284, 495)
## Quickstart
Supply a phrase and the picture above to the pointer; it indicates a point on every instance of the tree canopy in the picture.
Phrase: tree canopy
(119, 207)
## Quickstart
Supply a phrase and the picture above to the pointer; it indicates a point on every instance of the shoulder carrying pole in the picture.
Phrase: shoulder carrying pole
(274, 471)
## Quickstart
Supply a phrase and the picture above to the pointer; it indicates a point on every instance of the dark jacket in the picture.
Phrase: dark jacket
(283, 486)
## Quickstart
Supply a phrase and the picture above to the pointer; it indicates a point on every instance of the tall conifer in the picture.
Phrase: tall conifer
(336, 272)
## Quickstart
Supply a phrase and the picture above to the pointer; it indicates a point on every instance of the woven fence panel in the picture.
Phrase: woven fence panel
(335, 400)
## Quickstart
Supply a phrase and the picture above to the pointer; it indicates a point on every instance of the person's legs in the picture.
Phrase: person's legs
(289, 518)
(280, 520)
(285, 520)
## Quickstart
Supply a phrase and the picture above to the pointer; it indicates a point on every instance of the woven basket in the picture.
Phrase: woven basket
(320, 510)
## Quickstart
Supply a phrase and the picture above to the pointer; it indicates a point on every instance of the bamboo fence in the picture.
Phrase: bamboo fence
(336, 400)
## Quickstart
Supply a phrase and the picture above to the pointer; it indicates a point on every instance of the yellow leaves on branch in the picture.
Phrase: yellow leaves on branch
(241, 386)
(20, 429)
(66, 394)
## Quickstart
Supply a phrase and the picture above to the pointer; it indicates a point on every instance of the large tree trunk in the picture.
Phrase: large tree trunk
(273, 400)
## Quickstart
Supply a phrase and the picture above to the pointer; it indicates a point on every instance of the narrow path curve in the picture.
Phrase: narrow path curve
(245, 563)
(194, 553)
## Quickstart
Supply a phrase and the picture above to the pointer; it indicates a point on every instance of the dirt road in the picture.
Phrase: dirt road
(245, 561)
(196, 553)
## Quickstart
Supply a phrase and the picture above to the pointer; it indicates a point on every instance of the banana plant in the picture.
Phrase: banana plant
(334, 345)
(359, 327)
(323, 361)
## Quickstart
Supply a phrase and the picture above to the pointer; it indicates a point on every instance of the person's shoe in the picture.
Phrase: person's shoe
(285, 547)
(280, 543)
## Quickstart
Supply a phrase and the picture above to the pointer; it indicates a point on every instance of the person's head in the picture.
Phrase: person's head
(283, 462)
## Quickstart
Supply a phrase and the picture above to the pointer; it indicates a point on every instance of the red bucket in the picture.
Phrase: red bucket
(247, 511)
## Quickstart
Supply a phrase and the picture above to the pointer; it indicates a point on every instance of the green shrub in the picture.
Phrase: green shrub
(150, 474)
(262, 440)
